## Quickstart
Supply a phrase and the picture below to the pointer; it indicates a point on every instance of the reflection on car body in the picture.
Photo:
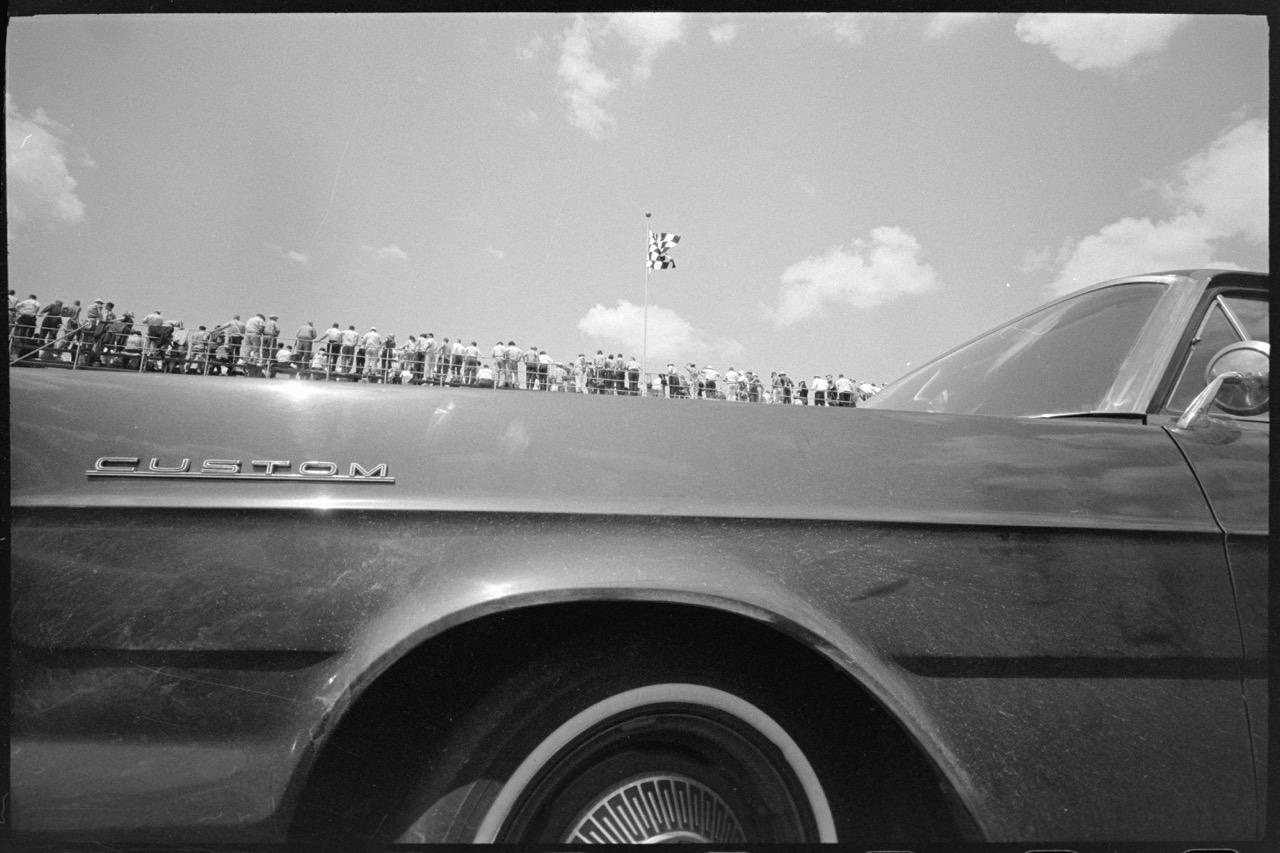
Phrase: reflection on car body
(1020, 596)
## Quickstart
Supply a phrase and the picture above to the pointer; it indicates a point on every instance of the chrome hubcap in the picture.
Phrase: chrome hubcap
(655, 809)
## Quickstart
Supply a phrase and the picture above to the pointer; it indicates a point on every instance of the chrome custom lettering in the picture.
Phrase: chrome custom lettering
(358, 470)
(115, 463)
(214, 470)
(182, 468)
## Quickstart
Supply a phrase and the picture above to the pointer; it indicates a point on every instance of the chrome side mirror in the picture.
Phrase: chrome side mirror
(1239, 383)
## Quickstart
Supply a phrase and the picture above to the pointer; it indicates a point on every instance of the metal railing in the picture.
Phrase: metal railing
(141, 348)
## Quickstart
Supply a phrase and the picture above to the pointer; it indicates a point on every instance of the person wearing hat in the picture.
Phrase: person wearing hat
(371, 345)
(709, 378)
(96, 315)
(271, 334)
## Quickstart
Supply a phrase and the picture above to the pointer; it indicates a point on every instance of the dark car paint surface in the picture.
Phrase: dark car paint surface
(1067, 615)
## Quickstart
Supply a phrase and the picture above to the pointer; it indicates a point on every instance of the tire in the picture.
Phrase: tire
(654, 743)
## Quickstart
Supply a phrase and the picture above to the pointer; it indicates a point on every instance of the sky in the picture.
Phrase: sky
(854, 193)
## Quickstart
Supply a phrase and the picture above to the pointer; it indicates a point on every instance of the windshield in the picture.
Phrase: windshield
(1061, 359)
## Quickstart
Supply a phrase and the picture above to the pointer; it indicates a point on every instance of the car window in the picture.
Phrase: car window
(1230, 318)
(1061, 359)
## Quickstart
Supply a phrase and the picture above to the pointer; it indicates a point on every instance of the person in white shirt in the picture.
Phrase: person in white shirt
(709, 377)
(350, 340)
(819, 389)
(429, 349)
(544, 370)
(844, 391)
(371, 346)
(319, 364)
(732, 383)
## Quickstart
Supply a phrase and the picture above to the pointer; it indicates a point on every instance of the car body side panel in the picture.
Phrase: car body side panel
(505, 451)
(971, 637)
(1056, 587)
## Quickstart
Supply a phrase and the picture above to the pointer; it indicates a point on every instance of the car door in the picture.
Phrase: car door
(1229, 455)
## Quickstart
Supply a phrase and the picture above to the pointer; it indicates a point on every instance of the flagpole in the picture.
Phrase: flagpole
(644, 341)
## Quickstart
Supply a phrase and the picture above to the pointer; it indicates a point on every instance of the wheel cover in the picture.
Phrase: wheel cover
(697, 695)
(657, 809)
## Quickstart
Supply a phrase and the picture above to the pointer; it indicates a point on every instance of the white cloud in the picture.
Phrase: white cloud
(864, 275)
(292, 255)
(671, 337)
(497, 253)
(386, 253)
(648, 33)
(1219, 194)
(39, 185)
(848, 27)
(1099, 41)
(585, 85)
(944, 24)
(724, 32)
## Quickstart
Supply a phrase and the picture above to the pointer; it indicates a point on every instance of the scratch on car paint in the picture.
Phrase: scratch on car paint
(168, 723)
(161, 672)
(882, 589)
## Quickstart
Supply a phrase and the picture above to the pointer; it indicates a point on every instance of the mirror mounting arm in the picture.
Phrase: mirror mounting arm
(1198, 409)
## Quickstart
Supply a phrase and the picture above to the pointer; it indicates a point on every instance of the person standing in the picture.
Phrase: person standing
(499, 355)
(732, 383)
(235, 334)
(580, 373)
(844, 391)
(330, 344)
(251, 343)
(471, 363)
(304, 340)
(633, 376)
(819, 389)
(515, 356)
(371, 351)
(271, 336)
(198, 351)
(544, 370)
(152, 322)
(24, 325)
(50, 321)
(427, 350)
(459, 355)
(531, 368)
(350, 339)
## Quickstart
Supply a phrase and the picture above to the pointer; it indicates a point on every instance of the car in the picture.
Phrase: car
(1020, 595)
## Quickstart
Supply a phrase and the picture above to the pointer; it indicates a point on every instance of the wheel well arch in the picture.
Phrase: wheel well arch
(432, 684)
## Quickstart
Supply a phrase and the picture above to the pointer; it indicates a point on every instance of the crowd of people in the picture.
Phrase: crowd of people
(99, 337)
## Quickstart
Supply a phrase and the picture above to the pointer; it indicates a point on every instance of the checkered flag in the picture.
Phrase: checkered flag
(659, 246)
